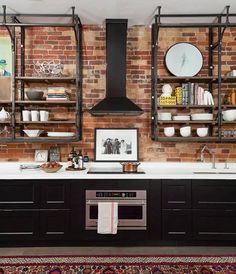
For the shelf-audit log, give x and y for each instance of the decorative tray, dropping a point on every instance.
(75, 169)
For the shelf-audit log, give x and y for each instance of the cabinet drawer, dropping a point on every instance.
(176, 194)
(54, 224)
(19, 195)
(214, 194)
(214, 224)
(18, 225)
(176, 224)
(55, 194)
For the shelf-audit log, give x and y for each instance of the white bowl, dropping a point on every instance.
(169, 131)
(32, 132)
(202, 131)
(185, 131)
(202, 116)
(164, 116)
(229, 115)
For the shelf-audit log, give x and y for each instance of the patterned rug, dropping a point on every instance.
(118, 264)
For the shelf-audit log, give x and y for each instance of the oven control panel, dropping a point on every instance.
(115, 194)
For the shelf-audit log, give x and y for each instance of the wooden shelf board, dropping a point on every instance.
(228, 106)
(46, 139)
(195, 79)
(45, 79)
(46, 122)
(184, 139)
(45, 102)
(228, 79)
(187, 106)
(187, 122)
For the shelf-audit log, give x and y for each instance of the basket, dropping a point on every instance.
(51, 169)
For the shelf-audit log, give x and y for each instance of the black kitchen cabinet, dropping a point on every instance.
(176, 224)
(34, 209)
(19, 225)
(214, 209)
(176, 210)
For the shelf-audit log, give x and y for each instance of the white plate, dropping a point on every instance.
(181, 118)
(61, 134)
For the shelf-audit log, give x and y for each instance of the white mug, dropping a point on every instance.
(44, 115)
(34, 115)
(26, 115)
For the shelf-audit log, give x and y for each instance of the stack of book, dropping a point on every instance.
(192, 94)
(57, 94)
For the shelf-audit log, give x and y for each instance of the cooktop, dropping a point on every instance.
(111, 170)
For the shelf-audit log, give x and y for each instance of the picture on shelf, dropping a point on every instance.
(116, 144)
(5, 69)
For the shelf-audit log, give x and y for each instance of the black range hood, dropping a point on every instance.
(116, 102)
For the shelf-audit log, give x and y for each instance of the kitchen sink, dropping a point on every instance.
(214, 172)
(205, 172)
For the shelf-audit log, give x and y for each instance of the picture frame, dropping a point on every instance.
(116, 145)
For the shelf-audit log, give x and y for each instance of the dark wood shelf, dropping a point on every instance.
(46, 139)
(5, 102)
(229, 79)
(187, 122)
(46, 122)
(5, 122)
(228, 122)
(195, 79)
(189, 139)
(35, 79)
(22, 102)
(228, 106)
(187, 106)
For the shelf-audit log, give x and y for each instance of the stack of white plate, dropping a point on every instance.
(61, 134)
(202, 116)
(181, 117)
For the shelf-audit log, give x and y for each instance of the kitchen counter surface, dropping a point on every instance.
(153, 170)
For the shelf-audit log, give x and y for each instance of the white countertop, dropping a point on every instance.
(153, 170)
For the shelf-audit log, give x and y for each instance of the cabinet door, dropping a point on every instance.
(18, 225)
(176, 194)
(214, 194)
(214, 224)
(19, 194)
(176, 224)
(55, 194)
(54, 224)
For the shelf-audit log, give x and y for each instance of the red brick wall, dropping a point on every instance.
(57, 43)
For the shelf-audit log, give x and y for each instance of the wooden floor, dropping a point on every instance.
(199, 250)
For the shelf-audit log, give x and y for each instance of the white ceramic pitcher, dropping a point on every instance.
(4, 115)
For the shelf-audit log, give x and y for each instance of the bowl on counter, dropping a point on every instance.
(51, 167)
(34, 95)
(185, 131)
(202, 116)
(32, 132)
(229, 115)
(202, 131)
(169, 131)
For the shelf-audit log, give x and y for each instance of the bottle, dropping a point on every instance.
(80, 160)
(85, 158)
(71, 158)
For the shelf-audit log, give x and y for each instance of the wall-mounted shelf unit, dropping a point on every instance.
(19, 27)
(210, 75)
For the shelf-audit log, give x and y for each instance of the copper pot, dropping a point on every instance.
(130, 167)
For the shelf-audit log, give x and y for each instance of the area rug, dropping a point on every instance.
(118, 264)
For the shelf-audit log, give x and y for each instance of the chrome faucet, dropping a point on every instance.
(211, 152)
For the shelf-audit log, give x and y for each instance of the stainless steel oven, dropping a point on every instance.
(132, 208)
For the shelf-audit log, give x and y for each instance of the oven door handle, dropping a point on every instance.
(133, 202)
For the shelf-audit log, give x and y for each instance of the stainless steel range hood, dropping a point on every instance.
(116, 102)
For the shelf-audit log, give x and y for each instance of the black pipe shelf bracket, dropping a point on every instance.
(22, 21)
(220, 22)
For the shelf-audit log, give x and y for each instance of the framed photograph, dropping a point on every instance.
(116, 145)
(5, 69)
